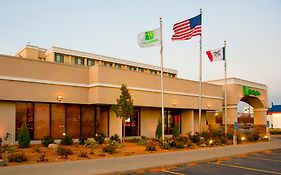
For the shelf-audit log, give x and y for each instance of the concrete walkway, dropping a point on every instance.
(132, 163)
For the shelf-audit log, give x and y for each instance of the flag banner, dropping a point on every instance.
(186, 29)
(216, 54)
(149, 38)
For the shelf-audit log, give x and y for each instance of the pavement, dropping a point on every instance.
(119, 165)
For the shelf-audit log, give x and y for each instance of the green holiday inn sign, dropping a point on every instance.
(247, 91)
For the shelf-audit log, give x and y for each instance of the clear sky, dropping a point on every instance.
(252, 29)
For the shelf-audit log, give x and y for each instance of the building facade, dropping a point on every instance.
(60, 91)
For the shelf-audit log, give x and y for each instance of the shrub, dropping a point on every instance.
(37, 149)
(116, 138)
(24, 138)
(135, 140)
(100, 138)
(158, 132)
(195, 138)
(179, 145)
(182, 139)
(143, 140)
(166, 144)
(111, 147)
(151, 146)
(91, 143)
(9, 148)
(42, 158)
(66, 140)
(47, 140)
(176, 130)
(64, 152)
(83, 154)
(253, 136)
(82, 140)
(17, 157)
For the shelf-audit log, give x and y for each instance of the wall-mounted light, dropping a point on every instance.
(209, 106)
(59, 98)
(262, 99)
(174, 104)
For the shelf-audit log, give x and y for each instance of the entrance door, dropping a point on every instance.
(132, 124)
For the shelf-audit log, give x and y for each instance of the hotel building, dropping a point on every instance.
(66, 91)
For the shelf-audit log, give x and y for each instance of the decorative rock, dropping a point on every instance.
(2, 163)
(53, 146)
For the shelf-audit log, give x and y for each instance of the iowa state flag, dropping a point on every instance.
(216, 54)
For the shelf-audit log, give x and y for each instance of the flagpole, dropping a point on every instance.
(225, 92)
(162, 86)
(200, 78)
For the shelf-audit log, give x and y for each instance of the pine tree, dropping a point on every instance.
(24, 138)
(158, 132)
(176, 130)
(124, 107)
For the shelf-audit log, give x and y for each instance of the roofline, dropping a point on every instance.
(106, 58)
(31, 47)
(233, 80)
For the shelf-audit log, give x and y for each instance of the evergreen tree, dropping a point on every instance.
(24, 138)
(124, 107)
(158, 132)
(176, 130)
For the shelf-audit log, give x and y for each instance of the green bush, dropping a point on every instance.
(47, 140)
(275, 132)
(151, 146)
(166, 144)
(116, 138)
(194, 138)
(182, 139)
(111, 147)
(66, 140)
(179, 145)
(82, 140)
(143, 140)
(176, 130)
(158, 132)
(253, 136)
(24, 138)
(91, 143)
(83, 154)
(100, 138)
(9, 148)
(17, 157)
(63, 152)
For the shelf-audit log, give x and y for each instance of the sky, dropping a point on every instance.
(251, 29)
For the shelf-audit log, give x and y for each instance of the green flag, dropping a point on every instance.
(149, 38)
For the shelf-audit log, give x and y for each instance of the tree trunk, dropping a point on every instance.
(124, 126)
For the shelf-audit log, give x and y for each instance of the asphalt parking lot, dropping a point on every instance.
(267, 162)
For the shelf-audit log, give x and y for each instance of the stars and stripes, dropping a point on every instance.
(186, 29)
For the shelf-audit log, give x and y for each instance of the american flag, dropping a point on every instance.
(186, 29)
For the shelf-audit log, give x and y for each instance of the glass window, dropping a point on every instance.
(153, 72)
(102, 114)
(24, 112)
(90, 62)
(132, 124)
(107, 64)
(41, 120)
(87, 121)
(79, 61)
(59, 58)
(141, 69)
(117, 65)
(172, 117)
(58, 121)
(73, 120)
(132, 68)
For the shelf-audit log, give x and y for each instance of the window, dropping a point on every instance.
(153, 72)
(117, 65)
(172, 117)
(41, 120)
(24, 112)
(141, 69)
(79, 61)
(107, 64)
(73, 120)
(59, 58)
(88, 121)
(132, 124)
(132, 68)
(58, 121)
(90, 62)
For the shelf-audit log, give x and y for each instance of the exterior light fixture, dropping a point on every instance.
(174, 104)
(59, 98)
(209, 106)
(243, 138)
(64, 134)
(266, 137)
(211, 142)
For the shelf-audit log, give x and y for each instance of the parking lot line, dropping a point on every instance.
(171, 172)
(246, 168)
(258, 158)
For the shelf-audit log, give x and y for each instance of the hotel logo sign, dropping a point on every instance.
(247, 91)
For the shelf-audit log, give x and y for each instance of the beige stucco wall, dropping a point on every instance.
(115, 125)
(149, 120)
(187, 121)
(7, 119)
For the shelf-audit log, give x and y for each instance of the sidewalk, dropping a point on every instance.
(131, 163)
